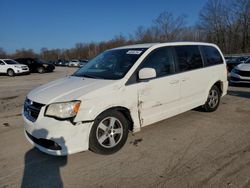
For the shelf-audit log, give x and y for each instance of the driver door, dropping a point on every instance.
(159, 97)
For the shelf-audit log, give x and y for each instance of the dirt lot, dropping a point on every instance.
(194, 149)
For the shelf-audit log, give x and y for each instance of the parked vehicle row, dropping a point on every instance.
(233, 61)
(24, 66)
(71, 63)
(36, 65)
(11, 67)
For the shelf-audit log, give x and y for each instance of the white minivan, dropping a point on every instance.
(122, 90)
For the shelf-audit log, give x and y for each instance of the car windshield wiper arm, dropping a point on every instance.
(91, 76)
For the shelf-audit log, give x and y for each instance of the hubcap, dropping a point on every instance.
(213, 98)
(109, 132)
(40, 70)
(11, 73)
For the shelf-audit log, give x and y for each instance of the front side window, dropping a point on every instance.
(161, 60)
(11, 62)
(112, 64)
(211, 56)
(188, 57)
(39, 61)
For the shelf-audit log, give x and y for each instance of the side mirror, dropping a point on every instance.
(147, 73)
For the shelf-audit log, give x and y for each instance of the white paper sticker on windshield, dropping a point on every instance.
(134, 52)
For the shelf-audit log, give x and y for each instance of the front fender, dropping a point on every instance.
(91, 108)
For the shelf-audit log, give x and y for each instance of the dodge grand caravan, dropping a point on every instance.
(122, 90)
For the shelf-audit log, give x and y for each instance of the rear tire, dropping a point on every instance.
(213, 100)
(10, 72)
(109, 133)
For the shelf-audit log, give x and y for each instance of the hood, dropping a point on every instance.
(66, 89)
(243, 67)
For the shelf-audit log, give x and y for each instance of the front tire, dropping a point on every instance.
(109, 133)
(40, 70)
(10, 72)
(213, 100)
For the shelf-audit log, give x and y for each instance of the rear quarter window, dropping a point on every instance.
(211, 56)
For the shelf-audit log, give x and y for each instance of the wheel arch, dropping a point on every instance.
(125, 112)
(219, 84)
(10, 69)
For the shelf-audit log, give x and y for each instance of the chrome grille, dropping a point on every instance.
(244, 73)
(32, 109)
(24, 68)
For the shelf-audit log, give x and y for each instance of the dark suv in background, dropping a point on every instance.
(36, 65)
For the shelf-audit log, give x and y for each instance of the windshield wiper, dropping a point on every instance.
(91, 76)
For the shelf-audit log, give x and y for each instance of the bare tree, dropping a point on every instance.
(227, 23)
(224, 22)
(213, 18)
(44, 53)
(24, 53)
(3, 54)
(167, 27)
(242, 15)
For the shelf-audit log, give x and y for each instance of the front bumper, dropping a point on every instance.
(57, 137)
(20, 71)
(235, 78)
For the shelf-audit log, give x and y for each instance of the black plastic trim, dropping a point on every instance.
(49, 144)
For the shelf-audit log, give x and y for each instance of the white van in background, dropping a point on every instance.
(122, 90)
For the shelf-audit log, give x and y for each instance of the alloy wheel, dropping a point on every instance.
(109, 132)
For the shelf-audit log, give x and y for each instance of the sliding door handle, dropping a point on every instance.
(174, 82)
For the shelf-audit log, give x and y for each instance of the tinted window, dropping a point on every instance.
(19, 60)
(188, 57)
(161, 60)
(11, 62)
(211, 56)
(2, 63)
(248, 61)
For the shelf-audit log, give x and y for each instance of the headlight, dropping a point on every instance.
(63, 110)
(45, 65)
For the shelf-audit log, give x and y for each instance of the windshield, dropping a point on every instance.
(248, 61)
(41, 61)
(112, 64)
(11, 62)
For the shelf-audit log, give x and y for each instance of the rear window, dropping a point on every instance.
(211, 56)
(188, 57)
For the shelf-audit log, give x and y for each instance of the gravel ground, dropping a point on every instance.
(194, 149)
